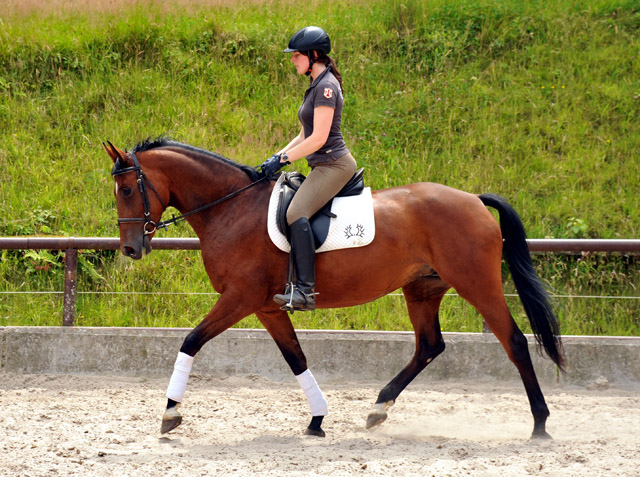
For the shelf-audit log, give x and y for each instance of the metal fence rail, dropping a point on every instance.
(71, 245)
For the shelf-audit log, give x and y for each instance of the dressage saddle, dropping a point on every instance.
(320, 220)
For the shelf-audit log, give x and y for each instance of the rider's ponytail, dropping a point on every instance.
(327, 60)
(336, 73)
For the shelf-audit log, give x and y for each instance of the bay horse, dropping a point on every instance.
(430, 238)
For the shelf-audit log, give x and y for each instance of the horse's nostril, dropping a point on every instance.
(129, 251)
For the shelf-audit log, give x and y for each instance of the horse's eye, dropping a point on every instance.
(125, 192)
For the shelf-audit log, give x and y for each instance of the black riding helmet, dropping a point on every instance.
(310, 38)
(307, 40)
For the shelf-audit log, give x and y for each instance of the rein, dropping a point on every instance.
(149, 225)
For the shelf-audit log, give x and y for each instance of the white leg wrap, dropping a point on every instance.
(180, 376)
(317, 402)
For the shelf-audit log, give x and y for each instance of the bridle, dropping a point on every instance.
(150, 226)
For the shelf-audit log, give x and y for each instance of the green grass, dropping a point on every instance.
(536, 101)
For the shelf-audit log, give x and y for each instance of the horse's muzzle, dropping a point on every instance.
(136, 249)
(132, 252)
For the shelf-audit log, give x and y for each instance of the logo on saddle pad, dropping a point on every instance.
(358, 232)
(352, 226)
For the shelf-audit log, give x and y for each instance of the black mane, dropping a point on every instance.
(164, 141)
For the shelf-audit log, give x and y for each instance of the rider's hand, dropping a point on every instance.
(272, 165)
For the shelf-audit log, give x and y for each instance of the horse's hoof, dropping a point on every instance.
(375, 419)
(314, 432)
(542, 435)
(378, 414)
(314, 428)
(171, 419)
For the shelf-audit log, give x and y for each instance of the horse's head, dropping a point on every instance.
(140, 204)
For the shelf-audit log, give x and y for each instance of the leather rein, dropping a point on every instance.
(150, 226)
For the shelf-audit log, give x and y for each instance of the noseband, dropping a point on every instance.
(149, 225)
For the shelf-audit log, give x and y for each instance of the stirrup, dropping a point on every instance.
(290, 289)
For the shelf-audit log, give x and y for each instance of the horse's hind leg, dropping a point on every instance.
(517, 347)
(423, 298)
(472, 266)
(493, 308)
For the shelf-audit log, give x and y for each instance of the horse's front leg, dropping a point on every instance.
(279, 326)
(226, 313)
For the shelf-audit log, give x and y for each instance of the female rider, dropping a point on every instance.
(321, 142)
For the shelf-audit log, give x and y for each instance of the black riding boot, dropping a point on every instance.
(301, 296)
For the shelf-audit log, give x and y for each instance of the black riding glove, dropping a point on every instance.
(272, 165)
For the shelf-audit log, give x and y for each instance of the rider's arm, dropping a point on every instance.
(322, 120)
(294, 142)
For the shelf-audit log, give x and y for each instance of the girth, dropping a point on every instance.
(320, 220)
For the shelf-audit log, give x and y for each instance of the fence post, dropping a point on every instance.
(70, 287)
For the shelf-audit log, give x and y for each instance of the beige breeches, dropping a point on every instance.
(323, 182)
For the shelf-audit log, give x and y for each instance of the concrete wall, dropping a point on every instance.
(333, 356)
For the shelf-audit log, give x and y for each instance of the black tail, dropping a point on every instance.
(533, 295)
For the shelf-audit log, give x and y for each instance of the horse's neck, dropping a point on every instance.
(195, 184)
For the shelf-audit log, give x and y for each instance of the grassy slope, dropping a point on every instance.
(536, 101)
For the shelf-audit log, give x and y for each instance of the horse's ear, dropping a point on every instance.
(114, 153)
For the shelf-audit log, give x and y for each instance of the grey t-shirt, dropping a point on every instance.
(324, 91)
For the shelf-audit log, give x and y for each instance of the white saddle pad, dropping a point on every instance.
(354, 225)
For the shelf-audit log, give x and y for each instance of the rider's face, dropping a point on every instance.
(300, 61)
